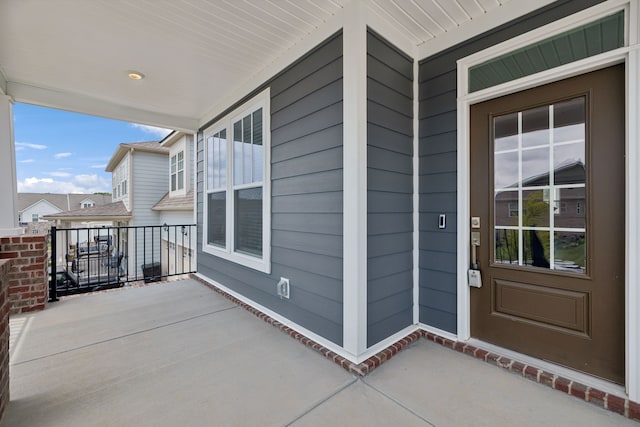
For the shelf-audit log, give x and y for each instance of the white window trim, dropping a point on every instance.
(178, 191)
(630, 55)
(120, 180)
(262, 264)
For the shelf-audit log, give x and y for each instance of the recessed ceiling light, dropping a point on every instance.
(135, 75)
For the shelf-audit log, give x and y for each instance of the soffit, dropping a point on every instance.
(425, 20)
(75, 54)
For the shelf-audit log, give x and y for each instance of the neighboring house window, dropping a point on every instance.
(35, 217)
(87, 205)
(35, 231)
(237, 195)
(177, 171)
(513, 209)
(120, 180)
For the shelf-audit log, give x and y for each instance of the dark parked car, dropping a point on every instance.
(89, 274)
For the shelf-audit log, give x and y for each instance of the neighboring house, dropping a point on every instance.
(139, 180)
(176, 206)
(141, 174)
(33, 207)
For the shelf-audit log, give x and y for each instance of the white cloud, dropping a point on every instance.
(98, 166)
(26, 161)
(22, 145)
(156, 131)
(62, 155)
(60, 174)
(91, 181)
(77, 184)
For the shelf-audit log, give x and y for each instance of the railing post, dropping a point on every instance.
(53, 283)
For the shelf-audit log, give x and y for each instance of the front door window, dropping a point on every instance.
(540, 187)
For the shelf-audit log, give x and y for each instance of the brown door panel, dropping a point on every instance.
(572, 315)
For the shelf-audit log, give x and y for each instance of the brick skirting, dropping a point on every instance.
(28, 277)
(597, 397)
(5, 266)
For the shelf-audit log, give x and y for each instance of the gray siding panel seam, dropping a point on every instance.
(395, 273)
(387, 108)
(393, 172)
(288, 146)
(324, 106)
(407, 96)
(380, 70)
(331, 78)
(330, 49)
(281, 266)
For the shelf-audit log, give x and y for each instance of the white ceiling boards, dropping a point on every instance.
(77, 54)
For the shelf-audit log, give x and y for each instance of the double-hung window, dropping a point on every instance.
(237, 197)
(177, 171)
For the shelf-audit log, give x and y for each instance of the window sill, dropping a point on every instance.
(261, 264)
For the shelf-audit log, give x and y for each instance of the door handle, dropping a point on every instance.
(475, 242)
(474, 277)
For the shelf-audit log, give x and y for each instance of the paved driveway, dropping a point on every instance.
(178, 354)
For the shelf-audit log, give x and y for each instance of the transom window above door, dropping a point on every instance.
(602, 35)
(539, 181)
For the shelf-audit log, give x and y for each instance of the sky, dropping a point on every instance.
(62, 152)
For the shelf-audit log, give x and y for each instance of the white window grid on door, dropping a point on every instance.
(552, 189)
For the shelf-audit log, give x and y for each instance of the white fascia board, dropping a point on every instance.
(494, 18)
(355, 179)
(88, 105)
(330, 27)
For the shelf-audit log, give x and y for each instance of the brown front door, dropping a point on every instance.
(547, 183)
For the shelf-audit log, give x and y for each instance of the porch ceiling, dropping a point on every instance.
(75, 54)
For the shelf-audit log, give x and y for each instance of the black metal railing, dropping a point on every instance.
(90, 259)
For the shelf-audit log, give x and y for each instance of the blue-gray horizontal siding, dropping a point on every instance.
(389, 190)
(438, 162)
(306, 198)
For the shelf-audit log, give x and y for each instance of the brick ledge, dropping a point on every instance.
(622, 406)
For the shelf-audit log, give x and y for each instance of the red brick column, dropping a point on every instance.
(28, 277)
(5, 266)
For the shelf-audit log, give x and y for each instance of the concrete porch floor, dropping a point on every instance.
(178, 354)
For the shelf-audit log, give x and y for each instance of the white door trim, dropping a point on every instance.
(630, 55)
